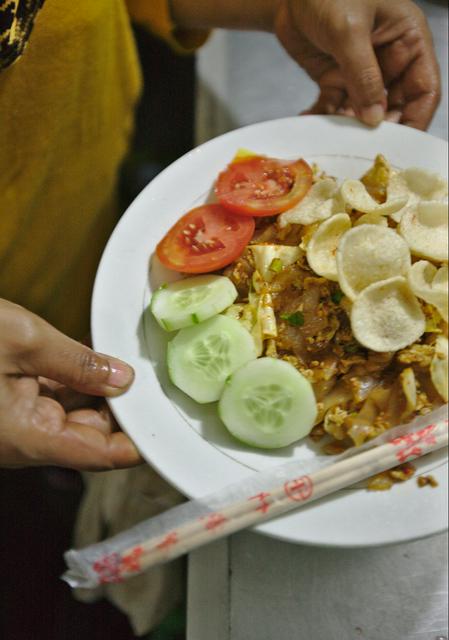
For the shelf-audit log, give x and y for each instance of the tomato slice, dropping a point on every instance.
(205, 239)
(260, 186)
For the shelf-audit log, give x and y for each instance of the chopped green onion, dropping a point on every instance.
(337, 296)
(276, 265)
(295, 319)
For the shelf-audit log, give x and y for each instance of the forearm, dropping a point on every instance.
(226, 14)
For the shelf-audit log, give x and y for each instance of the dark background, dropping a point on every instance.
(38, 506)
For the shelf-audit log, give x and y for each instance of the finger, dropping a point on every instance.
(87, 445)
(72, 400)
(92, 418)
(422, 94)
(418, 113)
(395, 97)
(346, 111)
(109, 416)
(86, 448)
(394, 58)
(362, 74)
(67, 398)
(35, 348)
(101, 418)
(412, 73)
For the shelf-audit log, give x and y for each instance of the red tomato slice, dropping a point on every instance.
(260, 186)
(205, 239)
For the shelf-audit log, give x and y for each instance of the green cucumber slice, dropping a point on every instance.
(201, 358)
(267, 403)
(190, 301)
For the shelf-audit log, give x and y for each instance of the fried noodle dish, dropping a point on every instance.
(350, 287)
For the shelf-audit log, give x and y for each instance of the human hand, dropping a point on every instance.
(371, 58)
(46, 379)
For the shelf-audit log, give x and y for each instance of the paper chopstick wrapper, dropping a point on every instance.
(262, 496)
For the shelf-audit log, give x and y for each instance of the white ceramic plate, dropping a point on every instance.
(185, 441)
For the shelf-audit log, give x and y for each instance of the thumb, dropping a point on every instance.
(35, 348)
(362, 75)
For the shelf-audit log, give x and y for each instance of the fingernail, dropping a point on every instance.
(372, 115)
(346, 111)
(393, 116)
(121, 374)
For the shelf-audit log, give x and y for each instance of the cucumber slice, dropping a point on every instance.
(192, 300)
(267, 403)
(201, 358)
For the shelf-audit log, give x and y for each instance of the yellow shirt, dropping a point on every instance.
(66, 114)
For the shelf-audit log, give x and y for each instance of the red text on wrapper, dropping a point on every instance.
(264, 505)
(410, 442)
(299, 489)
(169, 540)
(131, 562)
(213, 521)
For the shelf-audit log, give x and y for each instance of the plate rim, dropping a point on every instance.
(117, 404)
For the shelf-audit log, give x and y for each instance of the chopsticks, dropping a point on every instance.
(251, 510)
(285, 498)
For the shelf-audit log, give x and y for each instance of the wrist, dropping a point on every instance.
(227, 14)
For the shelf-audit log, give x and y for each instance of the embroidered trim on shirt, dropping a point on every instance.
(16, 23)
